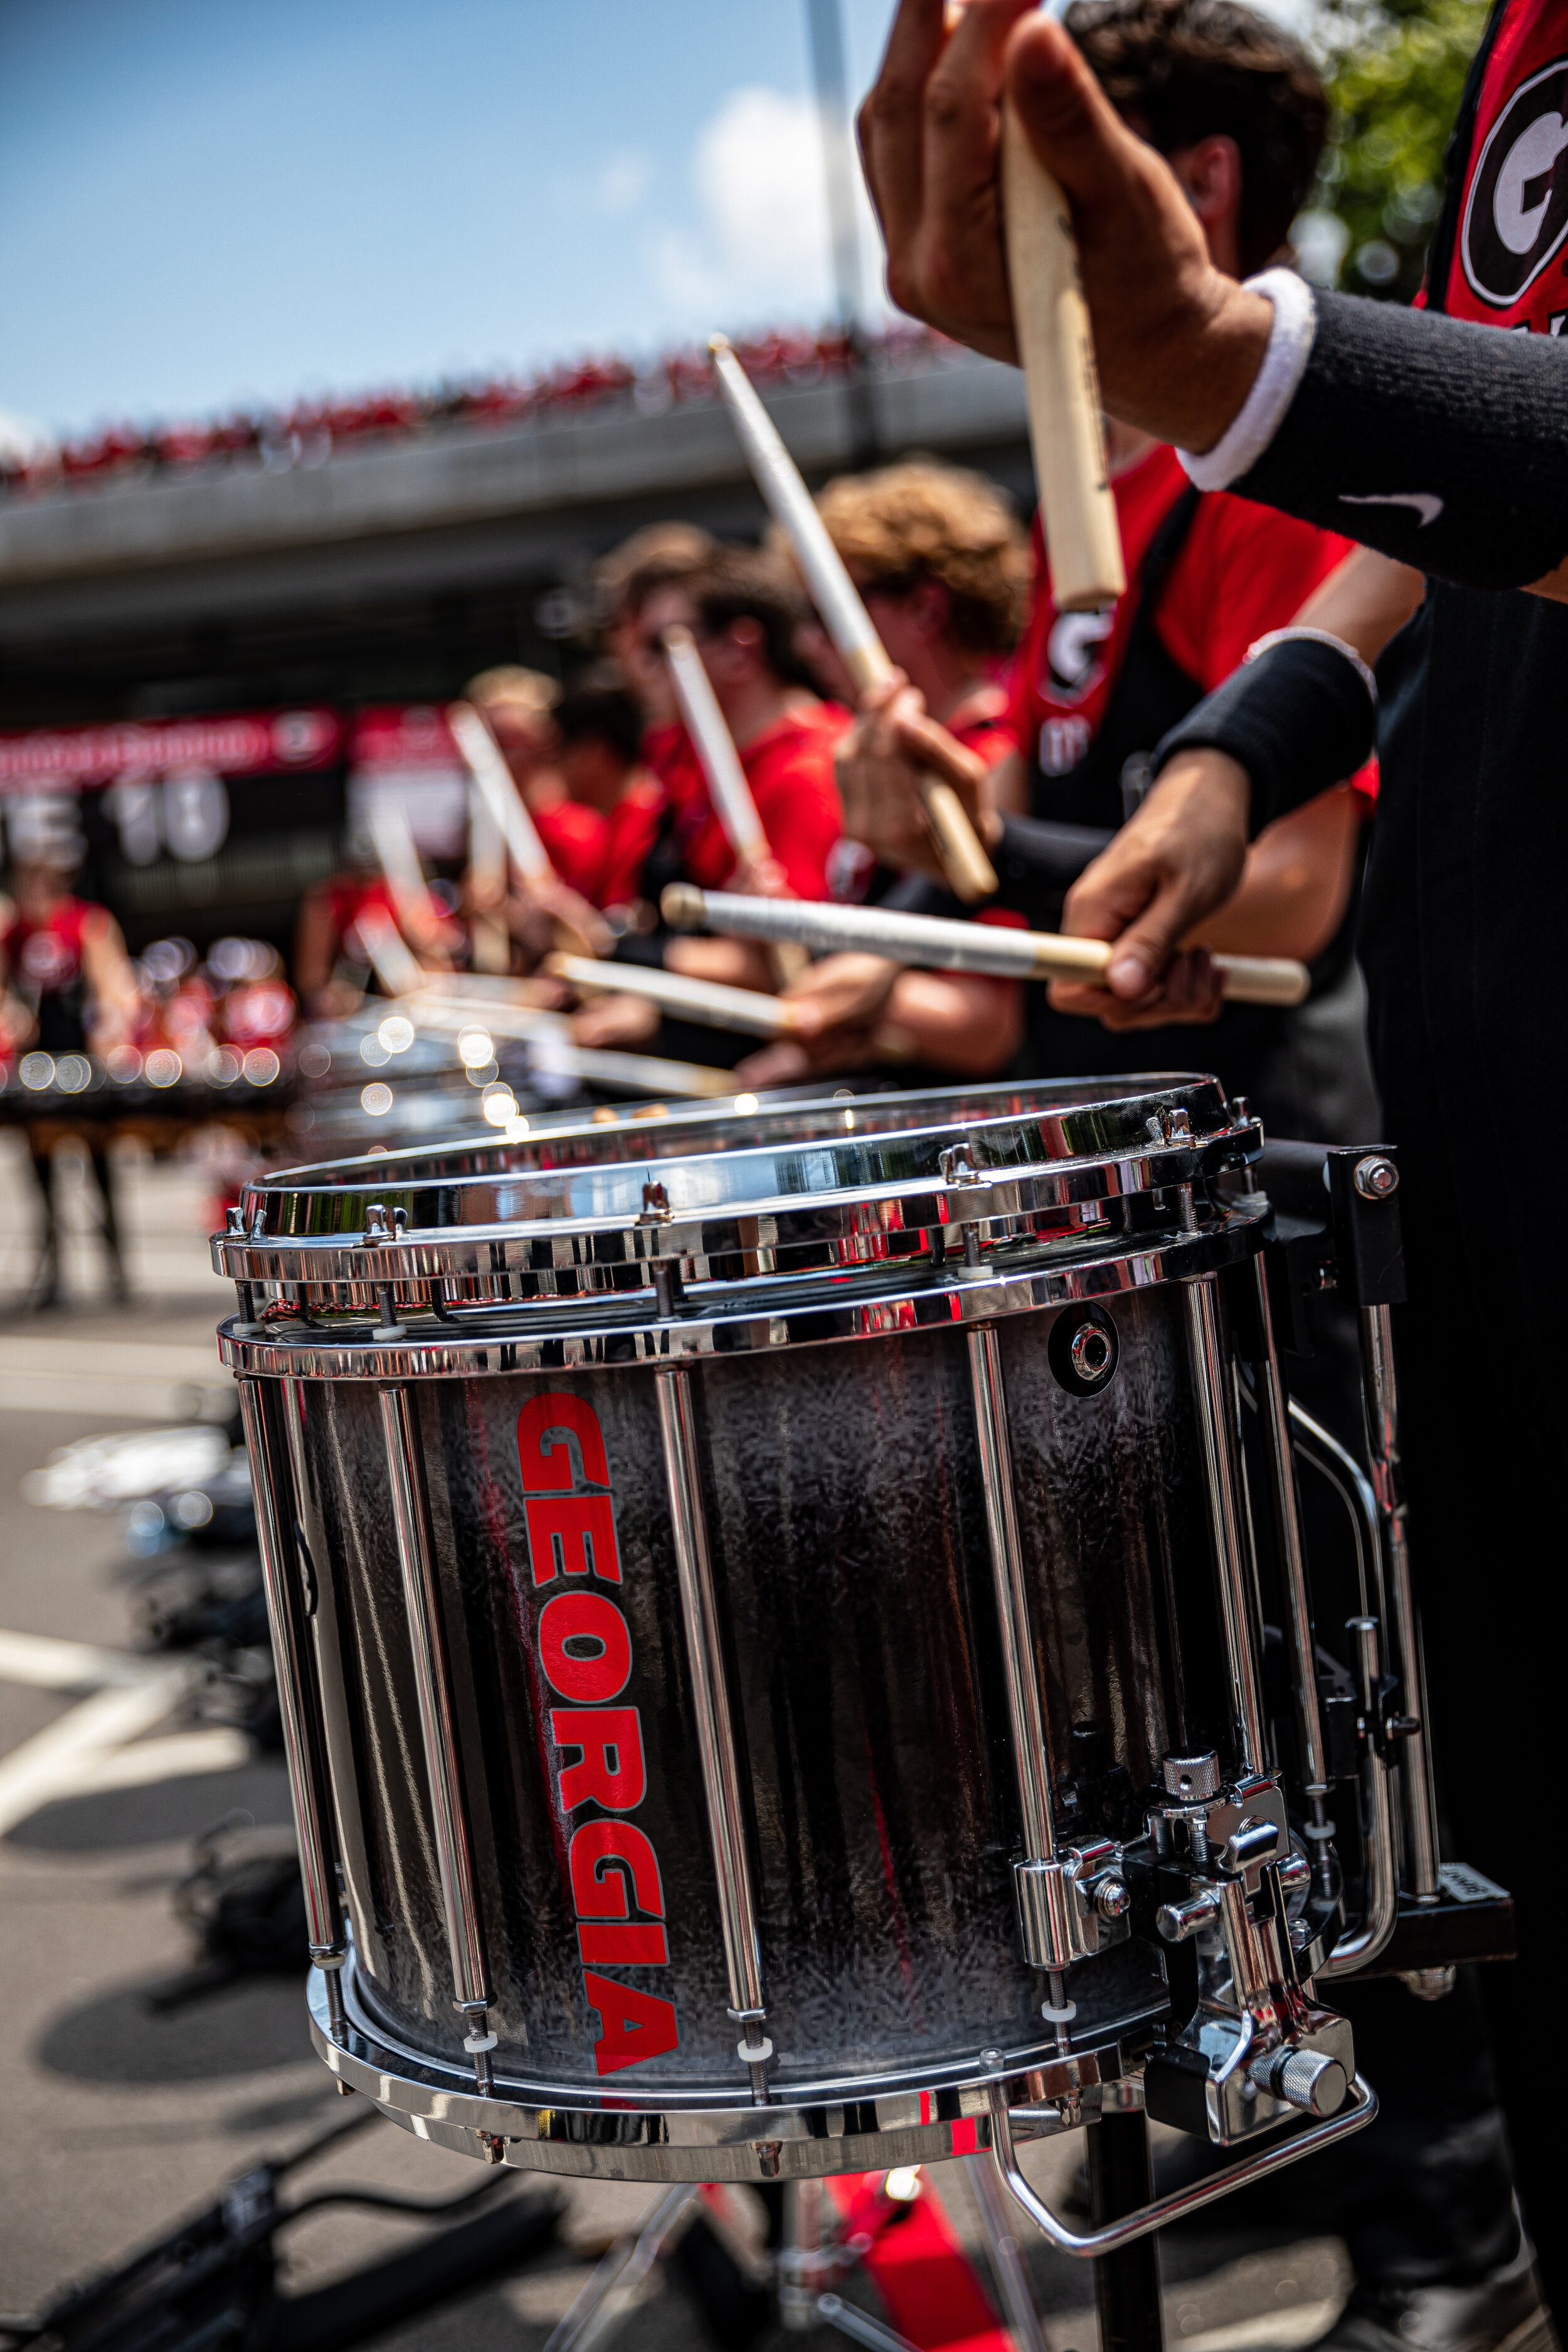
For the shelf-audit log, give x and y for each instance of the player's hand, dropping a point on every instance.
(543, 917)
(734, 964)
(892, 742)
(1177, 859)
(837, 1005)
(615, 1020)
(1178, 343)
(762, 877)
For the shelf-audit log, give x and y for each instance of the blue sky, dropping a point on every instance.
(205, 202)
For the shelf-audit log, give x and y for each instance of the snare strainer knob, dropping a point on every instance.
(1308, 2079)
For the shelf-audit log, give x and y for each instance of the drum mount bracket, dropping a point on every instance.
(1218, 1872)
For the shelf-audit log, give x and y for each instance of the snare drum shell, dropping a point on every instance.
(848, 1529)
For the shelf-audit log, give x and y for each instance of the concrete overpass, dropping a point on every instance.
(395, 569)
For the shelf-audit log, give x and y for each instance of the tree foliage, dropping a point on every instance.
(1396, 71)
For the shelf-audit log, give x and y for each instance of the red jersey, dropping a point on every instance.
(1242, 570)
(981, 724)
(349, 894)
(630, 832)
(789, 766)
(45, 958)
(576, 839)
(1508, 267)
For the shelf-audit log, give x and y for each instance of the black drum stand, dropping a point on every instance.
(800, 2279)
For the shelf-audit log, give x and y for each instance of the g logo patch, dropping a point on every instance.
(1517, 214)
(1074, 667)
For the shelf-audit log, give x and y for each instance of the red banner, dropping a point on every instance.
(404, 735)
(237, 743)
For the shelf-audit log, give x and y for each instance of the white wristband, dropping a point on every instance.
(1284, 365)
(1316, 637)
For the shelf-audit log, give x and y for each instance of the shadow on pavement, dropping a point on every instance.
(117, 2039)
(157, 1814)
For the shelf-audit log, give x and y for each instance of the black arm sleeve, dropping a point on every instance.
(1036, 864)
(1442, 443)
(1299, 718)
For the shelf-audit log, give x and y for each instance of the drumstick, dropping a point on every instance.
(843, 611)
(482, 757)
(490, 949)
(727, 782)
(944, 946)
(1061, 382)
(399, 972)
(392, 838)
(746, 1009)
(558, 1050)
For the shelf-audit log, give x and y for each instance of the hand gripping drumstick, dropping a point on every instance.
(943, 946)
(731, 794)
(398, 969)
(844, 614)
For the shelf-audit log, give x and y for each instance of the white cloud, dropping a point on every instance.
(623, 182)
(20, 437)
(762, 248)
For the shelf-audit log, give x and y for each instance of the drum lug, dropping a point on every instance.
(1075, 1908)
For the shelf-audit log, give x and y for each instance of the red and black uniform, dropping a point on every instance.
(574, 838)
(1092, 695)
(1208, 576)
(1446, 447)
(44, 961)
(665, 829)
(44, 965)
(789, 766)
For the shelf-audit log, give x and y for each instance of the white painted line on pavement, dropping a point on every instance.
(178, 1757)
(61, 1759)
(51, 1664)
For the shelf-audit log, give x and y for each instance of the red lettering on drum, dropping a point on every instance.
(610, 1770)
(546, 1427)
(638, 2025)
(585, 1653)
(590, 1676)
(560, 1448)
(602, 1894)
(573, 1535)
(623, 1944)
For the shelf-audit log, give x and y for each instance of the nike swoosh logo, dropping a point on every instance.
(1425, 505)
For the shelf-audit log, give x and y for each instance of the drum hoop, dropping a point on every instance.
(707, 1228)
(971, 1296)
(990, 1104)
(415, 2083)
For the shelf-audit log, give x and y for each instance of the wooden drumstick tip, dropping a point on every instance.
(683, 905)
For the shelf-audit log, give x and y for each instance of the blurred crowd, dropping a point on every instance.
(309, 432)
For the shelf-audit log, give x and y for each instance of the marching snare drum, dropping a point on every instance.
(766, 1618)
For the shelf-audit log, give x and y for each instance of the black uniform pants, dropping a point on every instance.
(1483, 1366)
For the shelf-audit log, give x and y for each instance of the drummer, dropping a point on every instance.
(66, 986)
(1431, 440)
(743, 609)
(332, 966)
(1237, 103)
(656, 557)
(945, 567)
